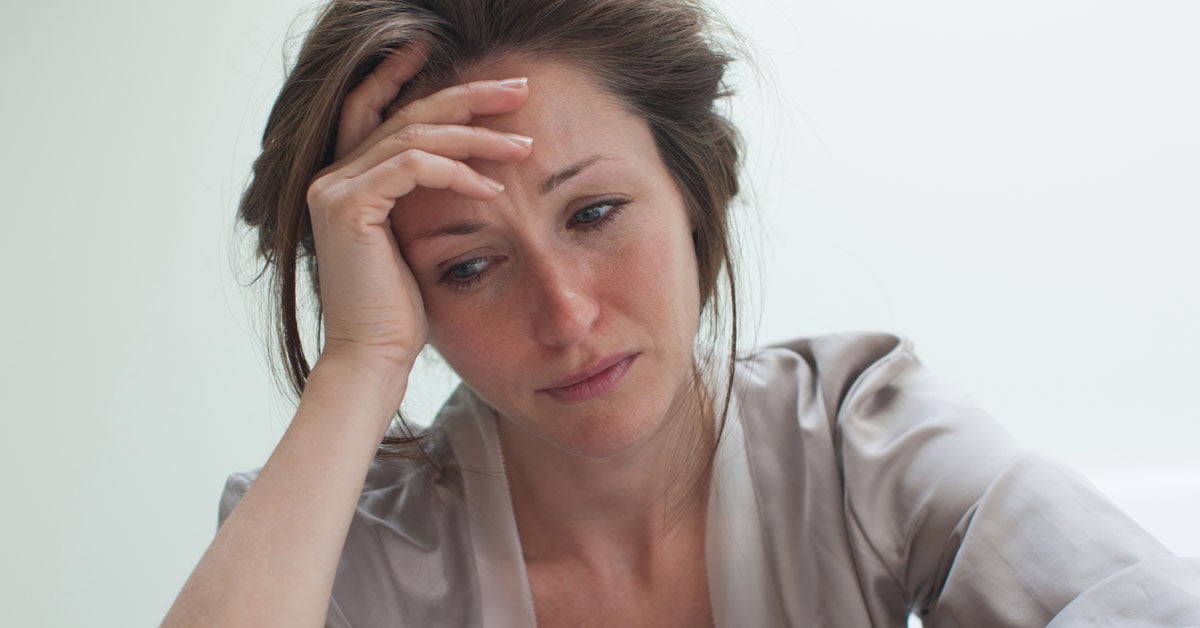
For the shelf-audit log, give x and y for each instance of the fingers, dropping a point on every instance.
(363, 108)
(424, 144)
(454, 141)
(372, 194)
(460, 103)
(453, 105)
(420, 155)
(412, 168)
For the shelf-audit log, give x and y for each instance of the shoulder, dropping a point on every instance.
(865, 403)
(834, 361)
(829, 375)
(862, 383)
(847, 349)
(937, 508)
(857, 419)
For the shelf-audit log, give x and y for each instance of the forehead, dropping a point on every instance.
(570, 118)
(566, 106)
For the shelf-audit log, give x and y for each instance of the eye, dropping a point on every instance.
(466, 274)
(597, 214)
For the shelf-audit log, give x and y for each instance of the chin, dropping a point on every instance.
(607, 427)
(598, 441)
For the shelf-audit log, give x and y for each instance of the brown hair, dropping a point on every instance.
(662, 58)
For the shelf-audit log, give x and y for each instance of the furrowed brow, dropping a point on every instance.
(453, 229)
(563, 175)
(547, 186)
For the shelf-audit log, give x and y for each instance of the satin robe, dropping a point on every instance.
(852, 486)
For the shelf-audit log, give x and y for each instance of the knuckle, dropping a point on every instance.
(459, 94)
(463, 171)
(318, 191)
(410, 159)
(325, 192)
(491, 140)
(410, 134)
(398, 110)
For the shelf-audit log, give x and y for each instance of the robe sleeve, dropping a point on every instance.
(976, 532)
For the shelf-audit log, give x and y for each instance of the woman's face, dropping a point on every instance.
(584, 263)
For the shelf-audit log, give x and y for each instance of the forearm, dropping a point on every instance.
(273, 561)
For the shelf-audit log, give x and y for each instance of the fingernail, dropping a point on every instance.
(494, 184)
(514, 83)
(520, 140)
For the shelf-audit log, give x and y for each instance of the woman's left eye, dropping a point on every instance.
(596, 214)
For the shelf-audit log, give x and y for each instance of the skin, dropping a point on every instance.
(542, 289)
(601, 265)
(592, 482)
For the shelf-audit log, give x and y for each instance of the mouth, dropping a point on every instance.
(596, 380)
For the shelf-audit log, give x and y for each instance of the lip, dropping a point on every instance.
(598, 379)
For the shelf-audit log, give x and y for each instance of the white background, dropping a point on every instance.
(1012, 185)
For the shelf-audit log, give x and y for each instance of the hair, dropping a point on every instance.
(665, 60)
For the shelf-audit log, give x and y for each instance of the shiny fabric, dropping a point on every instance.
(852, 485)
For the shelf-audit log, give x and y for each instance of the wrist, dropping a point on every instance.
(365, 378)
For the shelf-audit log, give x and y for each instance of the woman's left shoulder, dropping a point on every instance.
(840, 371)
(867, 400)
(837, 362)
(941, 509)
(855, 419)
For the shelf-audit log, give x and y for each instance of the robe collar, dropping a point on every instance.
(740, 587)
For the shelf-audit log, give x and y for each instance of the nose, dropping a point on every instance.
(565, 307)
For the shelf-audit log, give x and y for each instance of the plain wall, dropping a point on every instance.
(1011, 185)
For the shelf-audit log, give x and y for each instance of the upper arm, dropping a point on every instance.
(917, 454)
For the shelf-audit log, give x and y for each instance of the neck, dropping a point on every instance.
(624, 506)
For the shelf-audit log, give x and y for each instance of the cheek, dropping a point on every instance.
(467, 340)
(658, 270)
(646, 287)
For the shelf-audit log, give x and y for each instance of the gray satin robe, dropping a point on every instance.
(852, 486)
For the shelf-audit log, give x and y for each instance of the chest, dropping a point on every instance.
(565, 596)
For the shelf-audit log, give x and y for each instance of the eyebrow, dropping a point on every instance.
(563, 175)
(547, 186)
(453, 229)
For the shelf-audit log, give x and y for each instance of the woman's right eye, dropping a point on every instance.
(466, 274)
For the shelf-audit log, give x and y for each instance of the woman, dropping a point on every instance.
(539, 190)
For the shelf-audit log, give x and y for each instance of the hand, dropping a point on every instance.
(372, 305)
(291, 524)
